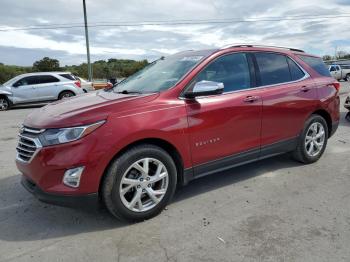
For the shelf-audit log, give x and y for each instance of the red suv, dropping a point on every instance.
(182, 117)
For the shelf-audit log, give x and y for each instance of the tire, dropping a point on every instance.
(65, 94)
(303, 153)
(123, 168)
(5, 104)
(347, 78)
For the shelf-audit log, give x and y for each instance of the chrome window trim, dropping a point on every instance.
(306, 76)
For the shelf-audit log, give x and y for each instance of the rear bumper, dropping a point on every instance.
(88, 201)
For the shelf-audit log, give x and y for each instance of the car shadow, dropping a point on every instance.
(28, 106)
(24, 218)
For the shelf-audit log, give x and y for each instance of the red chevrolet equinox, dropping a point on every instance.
(182, 117)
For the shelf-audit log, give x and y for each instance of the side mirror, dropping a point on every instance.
(205, 88)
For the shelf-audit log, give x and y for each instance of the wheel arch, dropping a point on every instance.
(327, 117)
(164, 144)
(65, 90)
(7, 97)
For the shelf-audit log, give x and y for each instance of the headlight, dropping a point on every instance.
(65, 135)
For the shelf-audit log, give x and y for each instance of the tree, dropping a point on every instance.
(327, 58)
(46, 64)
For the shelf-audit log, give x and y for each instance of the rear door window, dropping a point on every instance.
(68, 76)
(45, 79)
(295, 70)
(274, 68)
(316, 64)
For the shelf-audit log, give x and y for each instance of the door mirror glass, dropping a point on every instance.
(205, 88)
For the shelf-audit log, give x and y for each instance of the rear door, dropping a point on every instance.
(24, 90)
(47, 88)
(222, 126)
(288, 99)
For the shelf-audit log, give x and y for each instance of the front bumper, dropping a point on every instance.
(88, 201)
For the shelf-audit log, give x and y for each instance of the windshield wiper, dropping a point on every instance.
(125, 92)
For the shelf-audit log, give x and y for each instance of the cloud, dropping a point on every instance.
(151, 41)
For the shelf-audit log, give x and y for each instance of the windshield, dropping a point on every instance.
(159, 75)
(12, 80)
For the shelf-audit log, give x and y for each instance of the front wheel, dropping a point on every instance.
(4, 103)
(140, 183)
(313, 140)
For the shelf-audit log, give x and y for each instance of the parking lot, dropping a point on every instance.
(272, 210)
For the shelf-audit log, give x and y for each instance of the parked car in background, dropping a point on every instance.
(347, 106)
(36, 88)
(183, 117)
(100, 84)
(347, 103)
(340, 72)
(87, 86)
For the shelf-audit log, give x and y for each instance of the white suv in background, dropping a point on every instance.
(35, 88)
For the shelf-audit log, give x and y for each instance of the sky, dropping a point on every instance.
(22, 47)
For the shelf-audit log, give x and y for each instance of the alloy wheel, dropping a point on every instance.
(67, 95)
(314, 139)
(144, 184)
(3, 104)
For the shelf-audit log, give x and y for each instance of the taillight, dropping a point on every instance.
(336, 85)
(77, 83)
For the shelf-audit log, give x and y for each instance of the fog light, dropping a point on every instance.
(72, 176)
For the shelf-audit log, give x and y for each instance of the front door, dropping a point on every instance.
(222, 126)
(24, 90)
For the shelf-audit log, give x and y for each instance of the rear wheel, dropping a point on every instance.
(347, 78)
(140, 183)
(66, 94)
(313, 140)
(4, 103)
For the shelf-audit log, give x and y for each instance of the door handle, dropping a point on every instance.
(305, 89)
(251, 99)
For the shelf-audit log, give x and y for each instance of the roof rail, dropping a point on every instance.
(251, 45)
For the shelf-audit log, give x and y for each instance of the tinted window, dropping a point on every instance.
(332, 69)
(45, 79)
(68, 76)
(295, 71)
(316, 63)
(273, 68)
(161, 74)
(231, 70)
(29, 80)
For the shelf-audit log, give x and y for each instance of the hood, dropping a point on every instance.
(84, 109)
(5, 90)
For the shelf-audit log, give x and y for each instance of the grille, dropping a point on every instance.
(28, 144)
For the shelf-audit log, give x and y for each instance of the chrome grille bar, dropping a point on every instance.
(28, 144)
